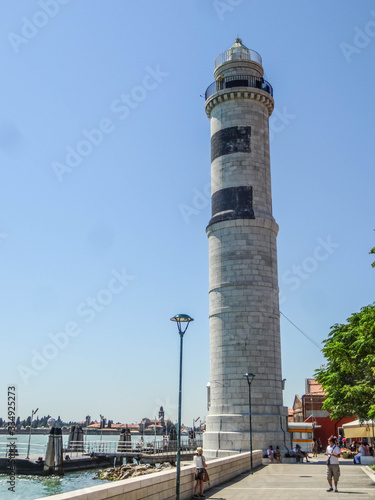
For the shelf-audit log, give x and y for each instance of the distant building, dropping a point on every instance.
(297, 411)
(312, 401)
(134, 428)
(94, 425)
(161, 415)
(145, 426)
(148, 426)
(308, 408)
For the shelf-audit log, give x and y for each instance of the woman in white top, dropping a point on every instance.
(200, 465)
(270, 453)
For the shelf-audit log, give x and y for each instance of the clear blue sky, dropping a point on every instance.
(113, 244)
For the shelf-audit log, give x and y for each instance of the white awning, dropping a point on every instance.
(356, 429)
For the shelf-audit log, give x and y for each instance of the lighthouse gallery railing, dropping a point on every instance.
(229, 82)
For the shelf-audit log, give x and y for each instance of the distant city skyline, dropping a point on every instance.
(102, 423)
(105, 149)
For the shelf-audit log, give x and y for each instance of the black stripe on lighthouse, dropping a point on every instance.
(230, 140)
(232, 203)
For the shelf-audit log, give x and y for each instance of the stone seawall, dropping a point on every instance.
(162, 486)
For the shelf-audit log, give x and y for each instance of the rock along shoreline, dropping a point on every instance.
(130, 470)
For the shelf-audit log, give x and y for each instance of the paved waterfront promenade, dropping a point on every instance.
(305, 481)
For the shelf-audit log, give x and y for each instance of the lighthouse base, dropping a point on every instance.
(230, 434)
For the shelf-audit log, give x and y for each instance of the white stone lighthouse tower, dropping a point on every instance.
(243, 285)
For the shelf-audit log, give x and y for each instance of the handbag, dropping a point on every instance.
(205, 476)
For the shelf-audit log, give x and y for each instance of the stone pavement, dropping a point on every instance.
(305, 481)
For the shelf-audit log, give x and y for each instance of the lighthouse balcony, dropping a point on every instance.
(238, 52)
(229, 82)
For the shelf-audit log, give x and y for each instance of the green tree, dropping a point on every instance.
(372, 252)
(348, 377)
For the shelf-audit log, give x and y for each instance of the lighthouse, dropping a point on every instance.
(243, 284)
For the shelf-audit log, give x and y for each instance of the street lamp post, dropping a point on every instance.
(179, 319)
(195, 420)
(193, 435)
(155, 435)
(32, 416)
(101, 431)
(250, 378)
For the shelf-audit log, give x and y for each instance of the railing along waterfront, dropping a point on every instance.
(125, 447)
(239, 81)
(20, 449)
(77, 448)
(238, 54)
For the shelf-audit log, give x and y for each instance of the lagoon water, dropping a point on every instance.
(34, 487)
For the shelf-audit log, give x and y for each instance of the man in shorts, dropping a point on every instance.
(333, 468)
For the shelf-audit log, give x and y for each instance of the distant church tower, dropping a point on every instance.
(161, 415)
(243, 284)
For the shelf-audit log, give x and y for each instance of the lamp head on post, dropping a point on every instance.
(250, 377)
(182, 318)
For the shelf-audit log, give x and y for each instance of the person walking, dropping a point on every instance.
(315, 448)
(333, 468)
(200, 464)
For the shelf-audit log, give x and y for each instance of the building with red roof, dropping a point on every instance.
(308, 408)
